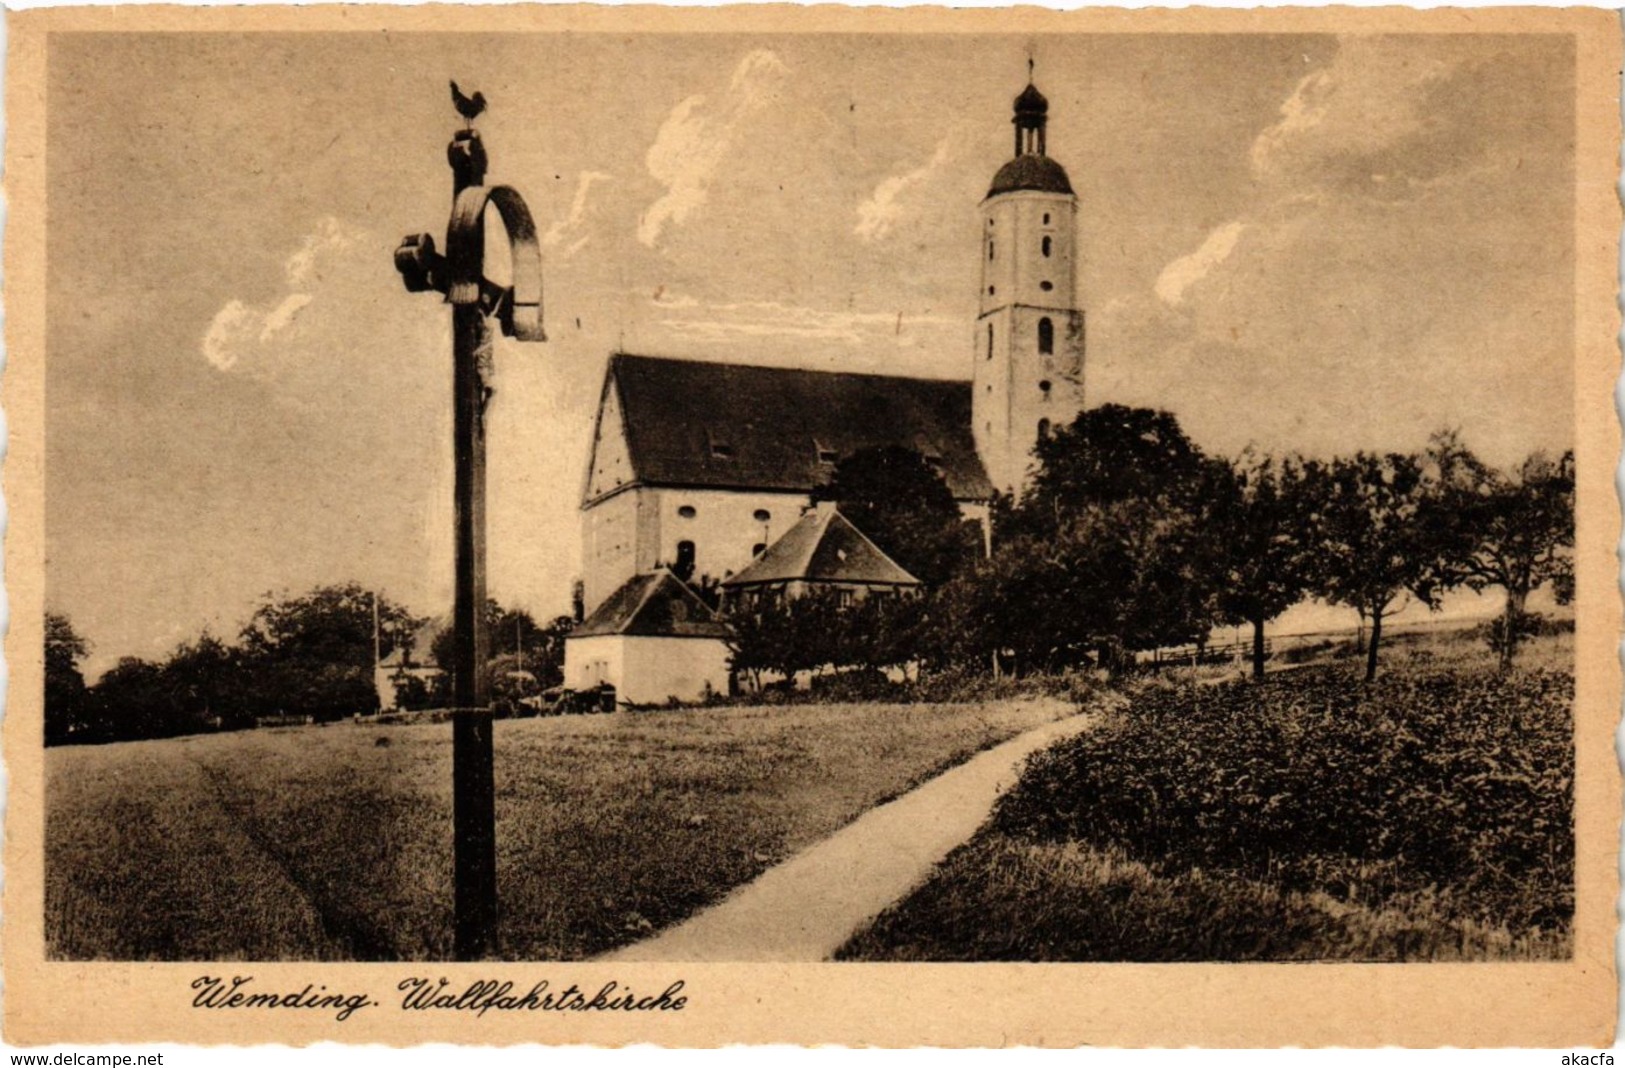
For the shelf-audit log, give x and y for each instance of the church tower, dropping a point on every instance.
(1030, 332)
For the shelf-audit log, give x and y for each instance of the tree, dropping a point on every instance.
(514, 633)
(1260, 526)
(203, 679)
(1373, 536)
(313, 654)
(1513, 530)
(1110, 551)
(1109, 454)
(67, 699)
(904, 506)
(133, 701)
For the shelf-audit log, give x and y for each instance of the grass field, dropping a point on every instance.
(335, 842)
(1310, 817)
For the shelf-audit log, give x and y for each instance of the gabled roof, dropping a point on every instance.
(657, 604)
(737, 426)
(823, 547)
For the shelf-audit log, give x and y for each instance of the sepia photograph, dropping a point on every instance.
(785, 493)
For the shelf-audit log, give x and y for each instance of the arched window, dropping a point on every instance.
(684, 567)
(758, 549)
(990, 341)
(1044, 387)
(1043, 429)
(1046, 246)
(1046, 336)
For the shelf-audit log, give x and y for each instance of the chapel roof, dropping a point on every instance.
(739, 426)
(656, 604)
(823, 547)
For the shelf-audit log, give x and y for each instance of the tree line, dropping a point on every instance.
(305, 656)
(1131, 538)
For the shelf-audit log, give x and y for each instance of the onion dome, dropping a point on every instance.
(1031, 169)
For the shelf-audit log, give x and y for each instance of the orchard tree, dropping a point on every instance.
(1260, 527)
(902, 503)
(1109, 454)
(1375, 536)
(1512, 530)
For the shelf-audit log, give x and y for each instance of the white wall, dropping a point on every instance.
(1008, 402)
(724, 527)
(647, 671)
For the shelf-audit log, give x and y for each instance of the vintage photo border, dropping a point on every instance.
(1479, 1004)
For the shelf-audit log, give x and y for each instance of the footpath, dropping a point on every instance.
(807, 907)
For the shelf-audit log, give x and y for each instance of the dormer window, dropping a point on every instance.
(826, 455)
(928, 450)
(719, 445)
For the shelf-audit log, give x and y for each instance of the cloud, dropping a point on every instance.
(770, 319)
(1178, 277)
(1302, 111)
(697, 137)
(303, 268)
(241, 335)
(889, 203)
(570, 226)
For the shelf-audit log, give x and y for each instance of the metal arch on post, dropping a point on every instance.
(475, 300)
(520, 306)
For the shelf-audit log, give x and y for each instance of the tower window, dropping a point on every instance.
(990, 291)
(686, 511)
(1046, 336)
(758, 549)
(1043, 429)
(1046, 240)
(990, 341)
(762, 515)
(990, 252)
(1043, 387)
(1046, 286)
(684, 567)
(1046, 244)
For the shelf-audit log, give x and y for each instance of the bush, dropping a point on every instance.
(1455, 782)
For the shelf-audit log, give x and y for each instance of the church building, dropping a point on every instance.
(701, 467)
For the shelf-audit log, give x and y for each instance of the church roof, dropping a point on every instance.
(657, 604)
(1032, 172)
(825, 547)
(737, 426)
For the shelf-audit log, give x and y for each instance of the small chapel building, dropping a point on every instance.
(699, 468)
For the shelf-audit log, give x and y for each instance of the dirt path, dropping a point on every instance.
(807, 907)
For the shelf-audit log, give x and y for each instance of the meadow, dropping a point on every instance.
(1426, 816)
(334, 842)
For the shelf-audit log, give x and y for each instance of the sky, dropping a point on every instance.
(1305, 243)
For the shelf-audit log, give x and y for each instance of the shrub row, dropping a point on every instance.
(1453, 783)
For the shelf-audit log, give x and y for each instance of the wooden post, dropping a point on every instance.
(475, 301)
(472, 774)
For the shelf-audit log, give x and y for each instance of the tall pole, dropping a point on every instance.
(517, 308)
(472, 775)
